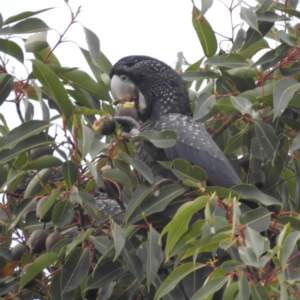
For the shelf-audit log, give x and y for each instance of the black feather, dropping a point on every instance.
(168, 107)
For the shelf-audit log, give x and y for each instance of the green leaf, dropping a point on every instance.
(55, 291)
(36, 42)
(75, 269)
(205, 33)
(254, 36)
(105, 274)
(272, 57)
(118, 176)
(79, 239)
(175, 234)
(244, 72)
(70, 172)
(175, 277)
(251, 192)
(93, 44)
(285, 38)
(234, 142)
(248, 256)
(6, 85)
(155, 255)
(134, 264)
(296, 143)
(288, 247)
(187, 210)
(242, 104)
(13, 49)
(249, 17)
(18, 211)
(244, 288)
(204, 104)
(88, 111)
(252, 49)
(258, 291)
(80, 79)
(231, 291)
(163, 139)
(23, 146)
(210, 287)
(184, 170)
(157, 202)
(202, 74)
(43, 162)
(104, 64)
(255, 241)
(230, 60)
(24, 15)
(22, 132)
(4, 174)
(184, 242)
(213, 242)
(49, 203)
(267, 138)
(258, 219)
(37, 267)
(290, 69)
(51, 59)
(100, 242)
(37, 183)
(118, 235)
(284, 90)
(205, 6)
(138, 165)
(62, 213)
(138, 196)
(86, 140)
(288, 9)
(25, 26)
(53, 86)
(270, 17)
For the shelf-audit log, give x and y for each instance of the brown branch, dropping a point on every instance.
(224, 126)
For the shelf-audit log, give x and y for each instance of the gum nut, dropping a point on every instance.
(105, 126)
(127, 112)
(41, 151)
(17, 251)
(37, 240)
(52, 239)
(47, 217)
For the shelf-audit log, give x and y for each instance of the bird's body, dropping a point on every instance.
(162, 102)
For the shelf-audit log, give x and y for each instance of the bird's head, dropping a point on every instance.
(154, 87)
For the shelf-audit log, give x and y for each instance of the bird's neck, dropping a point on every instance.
(171, 106)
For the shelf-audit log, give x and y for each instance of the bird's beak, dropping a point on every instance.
(123, 91)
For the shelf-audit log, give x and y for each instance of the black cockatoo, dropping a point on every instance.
(162, 102)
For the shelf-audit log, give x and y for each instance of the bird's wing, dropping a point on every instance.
(195, 145)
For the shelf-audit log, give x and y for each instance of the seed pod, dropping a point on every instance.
(52, 239)
(47, 217)
(105, 126)
(127, 111)
(41, 151)
(37, 240)
(17, 251)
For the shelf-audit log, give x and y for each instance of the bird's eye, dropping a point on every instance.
(123, 77)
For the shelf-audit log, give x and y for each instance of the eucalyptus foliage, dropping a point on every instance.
(167, 240)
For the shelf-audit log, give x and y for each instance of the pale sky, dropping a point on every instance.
(158, 28)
